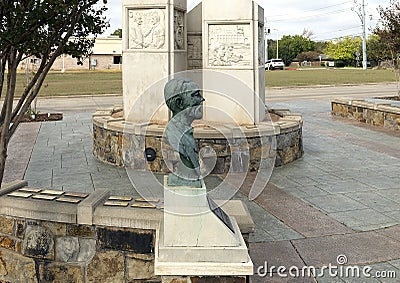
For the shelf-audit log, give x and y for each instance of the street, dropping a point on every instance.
(367, 90)
(91, 103)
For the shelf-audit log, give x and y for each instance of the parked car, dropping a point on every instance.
(274, 64)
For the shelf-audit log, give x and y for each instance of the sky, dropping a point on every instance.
(327, 20)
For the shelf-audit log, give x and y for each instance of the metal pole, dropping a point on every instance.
(277, 45)
(364, 44)
(266, 49)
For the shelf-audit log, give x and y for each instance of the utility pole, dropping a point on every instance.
(360, 10)
(277, 43)
(364, 44)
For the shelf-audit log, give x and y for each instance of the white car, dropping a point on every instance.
(274, 64)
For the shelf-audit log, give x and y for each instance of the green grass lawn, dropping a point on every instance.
(291, 78)
(110, 82)
(77, 83)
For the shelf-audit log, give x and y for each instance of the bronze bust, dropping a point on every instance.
(183, 97)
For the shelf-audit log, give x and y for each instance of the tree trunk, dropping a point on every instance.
(3, 156)
(7, 110)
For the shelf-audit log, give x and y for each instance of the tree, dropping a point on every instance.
(308, 56)
(44, 29)
(344, 49)
(118, 32)
(388, 30)
(291, 46)
(271, 49)
(377, 50)
(320, 46)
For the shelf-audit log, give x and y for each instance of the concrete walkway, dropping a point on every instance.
(341, 199)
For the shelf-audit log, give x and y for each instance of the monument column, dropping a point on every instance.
(233, 44)
(154, 47)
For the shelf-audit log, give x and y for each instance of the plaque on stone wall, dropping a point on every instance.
(261, 48)
(229, 45)
(220, 214)
(195, 51)
(147, 29)
(179, 29)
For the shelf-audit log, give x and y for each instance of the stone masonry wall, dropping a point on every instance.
(369, 113)
(51, 241)
(42, 251)
(108, 147)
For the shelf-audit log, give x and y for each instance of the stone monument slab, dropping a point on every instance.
(233, 44)
(150, 56)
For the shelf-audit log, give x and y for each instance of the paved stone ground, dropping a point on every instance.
(19, 151)
(342, 198)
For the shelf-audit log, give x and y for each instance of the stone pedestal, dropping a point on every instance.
(198, 238)
(233, 44)
(154, 47)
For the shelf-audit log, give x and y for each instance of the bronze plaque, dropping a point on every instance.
(52, 192)
(220, 214)
(44, 197)
(68, 200)
(117, 198)
(155, 200)
(76, 195)
(143, 205)
(30, 190)
(116, 203)
(19, 195)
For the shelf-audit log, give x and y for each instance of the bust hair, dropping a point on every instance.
(174, 88)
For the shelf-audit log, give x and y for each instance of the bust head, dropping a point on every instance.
(183, 98)
(182, 94)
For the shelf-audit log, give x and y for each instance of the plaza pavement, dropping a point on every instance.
(341, 198)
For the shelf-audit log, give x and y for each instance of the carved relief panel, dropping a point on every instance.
(179, 29)
(229, 45)
(147, 29)
(261, 45)
(195, 51)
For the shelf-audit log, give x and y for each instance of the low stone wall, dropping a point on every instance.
(49, 240)
(122, 144)
(377, 113)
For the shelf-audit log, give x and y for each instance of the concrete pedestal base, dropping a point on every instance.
(194, 240)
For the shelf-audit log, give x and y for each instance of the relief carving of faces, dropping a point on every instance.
(179, 30)
(147, 29)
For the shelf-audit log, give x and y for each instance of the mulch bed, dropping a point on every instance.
(43, 117)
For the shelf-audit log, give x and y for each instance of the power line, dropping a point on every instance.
(295, 14)
(339, 30)
(339, 37)
(311, 16)
(330, 6)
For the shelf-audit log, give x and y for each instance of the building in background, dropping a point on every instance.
(107, 55)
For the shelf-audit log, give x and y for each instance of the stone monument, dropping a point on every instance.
(233, 43)
(221, 40)
(149, 55)
(195, 230)
(221, 118)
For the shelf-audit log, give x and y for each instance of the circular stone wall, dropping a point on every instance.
(120, 143)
